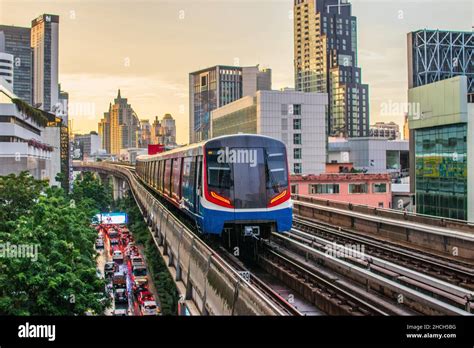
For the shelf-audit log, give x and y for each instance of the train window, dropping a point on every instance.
(249, 179)
(219, 175)
(159, 176)
(187, 189)
(155, 174)
(167, 178)
(176, 178)
(277, 175)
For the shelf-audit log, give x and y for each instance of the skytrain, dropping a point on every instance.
(236, 183)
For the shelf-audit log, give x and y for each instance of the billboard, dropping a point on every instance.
(111, 218)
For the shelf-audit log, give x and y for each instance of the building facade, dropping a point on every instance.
(296, 118)
(373, 190)
(45, 45)
(388, 130)
(217, 86)
(17, 42)
(88, 144)
(23, 145)
(371, 155)
(442, 148)
(435, 55)
(6, 70)
(325, 51)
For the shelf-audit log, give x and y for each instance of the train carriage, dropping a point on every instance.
(237, 182)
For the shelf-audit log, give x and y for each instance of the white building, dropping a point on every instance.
(6, 69)
(296, 118)
(23, 146)
(376, 155)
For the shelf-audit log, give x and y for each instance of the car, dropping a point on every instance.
(119, 280)
(110, 268)
(114, 241)
(120, 312)
(149, 308)
(136, 260)
(117, 256)
(139, 286)
(113, 234)
(144, 296)
(99, 243)
(120, 296)
(139, 271)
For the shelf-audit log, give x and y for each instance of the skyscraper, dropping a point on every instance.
(17, 41)
(45, 45)
(441, 96)
(119, 127)
(325, 52)
(217, 86)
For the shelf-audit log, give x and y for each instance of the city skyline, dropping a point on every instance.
(151, 66)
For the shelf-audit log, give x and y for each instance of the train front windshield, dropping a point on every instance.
(247, 178)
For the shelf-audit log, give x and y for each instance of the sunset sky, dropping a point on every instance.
(147, 47)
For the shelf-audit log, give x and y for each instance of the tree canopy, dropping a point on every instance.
(57, 276)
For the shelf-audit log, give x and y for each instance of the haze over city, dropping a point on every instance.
(148, 48)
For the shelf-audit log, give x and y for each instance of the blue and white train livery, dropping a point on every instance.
(236, 182)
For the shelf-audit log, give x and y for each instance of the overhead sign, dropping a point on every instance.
(111, 218)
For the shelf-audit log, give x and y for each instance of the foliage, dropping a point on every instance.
(91, 188)
(38, 116)
(61, 279)
(162, 279)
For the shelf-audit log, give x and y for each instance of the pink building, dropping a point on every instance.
(366, 189)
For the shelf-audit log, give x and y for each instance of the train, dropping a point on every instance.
(235, 184)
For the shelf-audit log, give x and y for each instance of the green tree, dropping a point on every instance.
(89, 187)
(58, 276)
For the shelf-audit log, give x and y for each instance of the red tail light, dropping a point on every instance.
(279, 198)
(220, 200)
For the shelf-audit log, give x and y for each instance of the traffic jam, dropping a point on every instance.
(122, 265)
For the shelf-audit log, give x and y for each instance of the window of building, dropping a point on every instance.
(297, 124)
(297, 168)
(318, 189)
(358, 188)
(297, 153)
(379, 188)
(284, 109)
(294, 189)
(297, 139)
(297, 109)
(380, 204)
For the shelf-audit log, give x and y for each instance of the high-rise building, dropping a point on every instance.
(104, 131)
(441, 89)
(120, 126)
(296, 118)
(325, 60)
(217, 86)
(45, 45)
(17, 42)
(144, 131)
(435, 55)
(164, 132)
